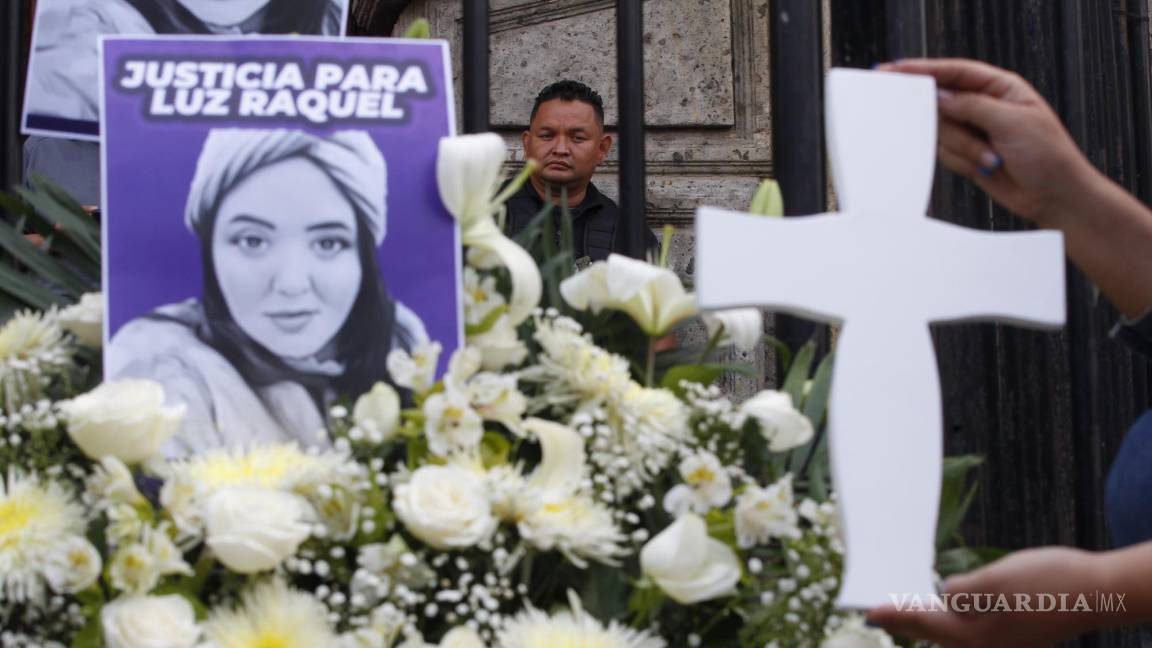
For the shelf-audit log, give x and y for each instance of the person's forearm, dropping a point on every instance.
(1108, 235)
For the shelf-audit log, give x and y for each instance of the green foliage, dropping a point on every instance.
(58, 270)
(768, 201)
(418, 29)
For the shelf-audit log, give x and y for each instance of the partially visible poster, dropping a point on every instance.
(273, 227)
(62, 95)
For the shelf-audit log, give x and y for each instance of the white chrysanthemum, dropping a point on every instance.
(35, 518)
(578, 527)
(481, 297)
(451, 424)
(284, 467)
(652, 424)
(512, 500)
(765, 513)
(271, 614)
(33, 350)
(706, 485)
(312, 474)
(534, 628)
(416, 371)
(573, 367)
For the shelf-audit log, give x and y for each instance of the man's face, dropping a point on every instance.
(567, 141)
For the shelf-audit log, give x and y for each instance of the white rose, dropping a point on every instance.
(253, 529)
(781, 424)
(461, 637)
(765, 513)
(85, 319)
(651, 295)
(126, 419)
(149, 622)
(742, 327)
(688, 565)
(445, 506)
(853, 633)
(378, 412)
(73, 566)
(451, 424)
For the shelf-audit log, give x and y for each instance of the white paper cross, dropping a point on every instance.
(885, 271)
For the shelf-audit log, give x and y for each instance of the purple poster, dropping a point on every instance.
(61, 97)
(272, 224)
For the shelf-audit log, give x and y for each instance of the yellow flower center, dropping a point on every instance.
(271, 639)
(15, 516)
(479, 295)
(701, 475)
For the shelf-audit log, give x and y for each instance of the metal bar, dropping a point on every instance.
(797, 125)
(12, 65)
(1141, 98)
(630, 124)
(474, 57)
(905, 37)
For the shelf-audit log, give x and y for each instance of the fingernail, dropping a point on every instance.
(943, 95)
(991, 160)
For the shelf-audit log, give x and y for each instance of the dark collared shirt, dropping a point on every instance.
(595, 221)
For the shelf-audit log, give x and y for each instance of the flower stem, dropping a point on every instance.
(530, 167)
(650, 369)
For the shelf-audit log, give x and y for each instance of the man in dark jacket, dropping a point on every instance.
(566, 137)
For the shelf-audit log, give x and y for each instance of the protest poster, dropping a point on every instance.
(61, 98)
(273, 226)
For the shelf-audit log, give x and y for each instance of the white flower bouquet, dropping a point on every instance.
(565, 483)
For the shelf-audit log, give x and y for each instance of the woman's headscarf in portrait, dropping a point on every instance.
(320, 17)
(355, 359)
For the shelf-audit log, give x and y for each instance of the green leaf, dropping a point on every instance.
(783, 353)
(487, 323)
(722, 525)
(494, 449)
(28, 291)
(89, 636)
(955, 497)
(960, 560)
(418, 29)
(768, 201)
(76, 226)
(798, 373)
(39, 262)
(704, 374)
(816, 404)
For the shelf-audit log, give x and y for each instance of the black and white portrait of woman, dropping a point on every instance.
(62, 94)
(294, 310)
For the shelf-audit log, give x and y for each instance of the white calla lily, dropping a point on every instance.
(689, 565)
(653, 296)
(562, 463)
(742, 327)
(468, 173)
